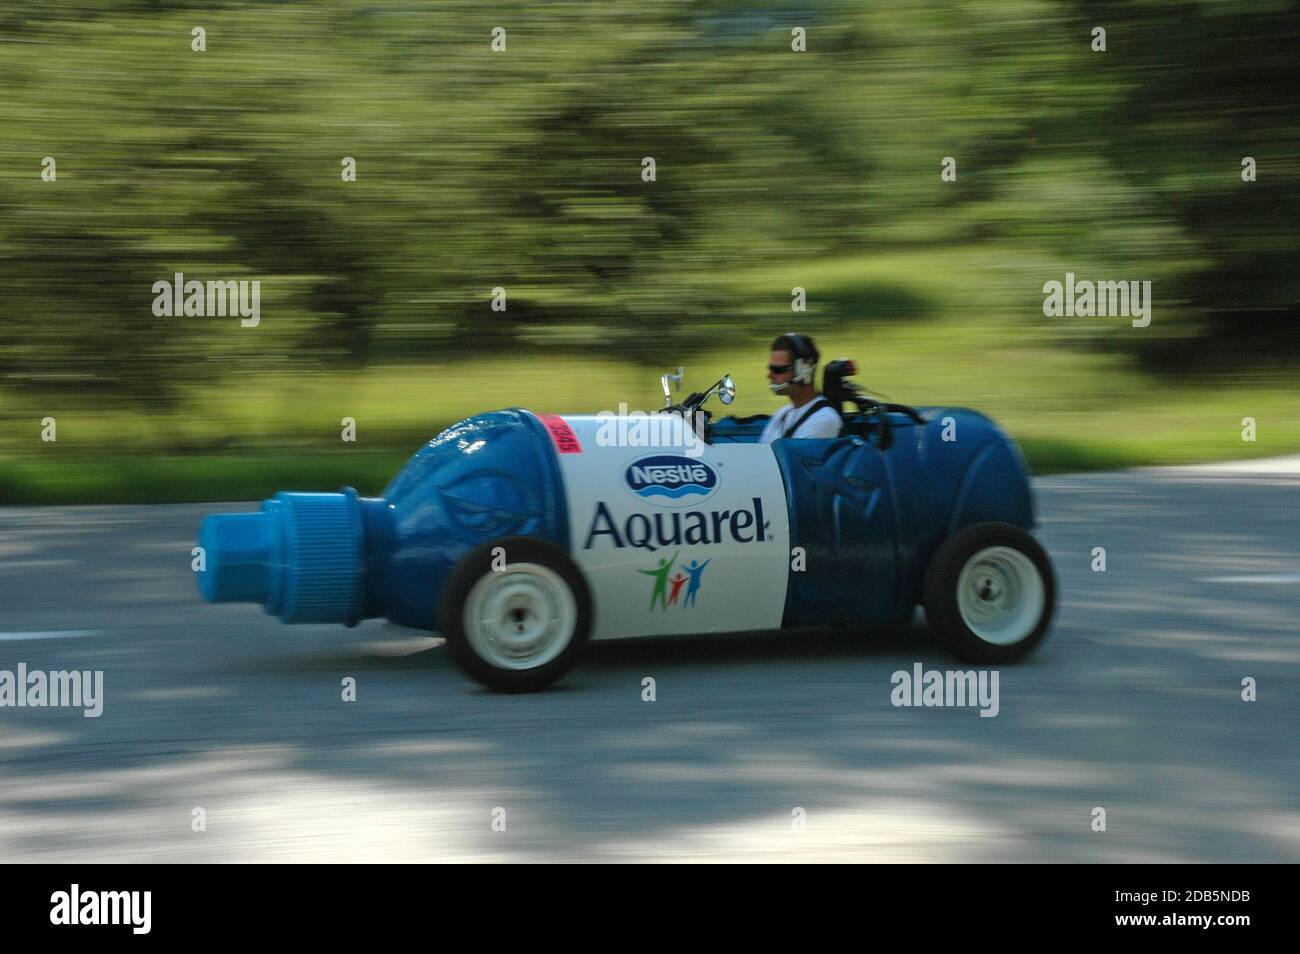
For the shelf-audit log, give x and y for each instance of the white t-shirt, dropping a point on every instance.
(823, 422)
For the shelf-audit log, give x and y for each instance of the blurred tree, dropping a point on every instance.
(523, 170)
(1206, 84)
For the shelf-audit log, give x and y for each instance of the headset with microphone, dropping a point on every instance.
(805, 364)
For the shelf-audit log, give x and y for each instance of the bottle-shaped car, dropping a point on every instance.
(521, 536)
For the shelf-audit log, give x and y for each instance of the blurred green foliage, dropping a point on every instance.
(523, 169)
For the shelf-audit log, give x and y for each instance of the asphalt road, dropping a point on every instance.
(1134, 704)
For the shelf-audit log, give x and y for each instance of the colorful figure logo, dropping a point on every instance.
(695, 569)
(667, 596)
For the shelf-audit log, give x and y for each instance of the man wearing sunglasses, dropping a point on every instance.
(792, 372)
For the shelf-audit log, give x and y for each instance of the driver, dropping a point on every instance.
(791, 372)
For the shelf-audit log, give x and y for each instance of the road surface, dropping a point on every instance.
(1133, 704)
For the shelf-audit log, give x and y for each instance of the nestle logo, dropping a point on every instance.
(671, 476)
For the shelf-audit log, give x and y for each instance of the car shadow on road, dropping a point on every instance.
(415, 653)
(820, 643)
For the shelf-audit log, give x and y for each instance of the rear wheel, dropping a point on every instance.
(520, 626)
(990, 593)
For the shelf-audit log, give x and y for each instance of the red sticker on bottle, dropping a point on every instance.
(566, 442)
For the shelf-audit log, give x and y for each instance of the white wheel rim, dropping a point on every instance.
(520, 617)
(1000, 595)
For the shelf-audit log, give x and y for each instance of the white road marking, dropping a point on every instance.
(1257, 578)
(48, 634)
(1289, 464)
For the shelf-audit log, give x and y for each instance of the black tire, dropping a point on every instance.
(942, 603)
(477, 564)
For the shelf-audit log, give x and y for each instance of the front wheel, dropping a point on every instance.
(989, 593)
(516, 613)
